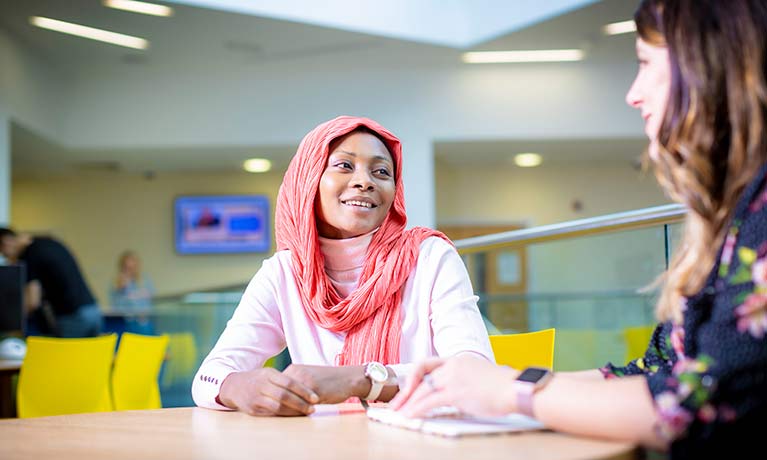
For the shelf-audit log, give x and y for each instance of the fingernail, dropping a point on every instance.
(311, 410)
(314, 397)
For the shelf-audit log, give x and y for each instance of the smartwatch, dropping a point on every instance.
(527, 383)
(378, 375)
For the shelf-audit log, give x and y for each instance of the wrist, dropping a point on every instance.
(359, 382)
(526, 385)
(508, 395)
(224, 390)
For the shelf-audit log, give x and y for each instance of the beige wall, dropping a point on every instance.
(543, 195)
(98, 215)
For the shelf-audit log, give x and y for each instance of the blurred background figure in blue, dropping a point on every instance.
(131, 292)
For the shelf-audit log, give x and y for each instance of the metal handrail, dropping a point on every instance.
(630, 220)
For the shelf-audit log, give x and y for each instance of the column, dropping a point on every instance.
(5, 168)
(418, 177)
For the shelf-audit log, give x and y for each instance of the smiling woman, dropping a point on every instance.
(357, 186)
(354, 296)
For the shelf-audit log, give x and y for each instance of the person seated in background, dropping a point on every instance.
(701, 388)
(353, 295)
(131, 293)
(56, 295)
(131, 289)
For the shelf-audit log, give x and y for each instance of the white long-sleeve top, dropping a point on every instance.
(439, 318)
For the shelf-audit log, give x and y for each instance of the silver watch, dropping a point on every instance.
(378, 376)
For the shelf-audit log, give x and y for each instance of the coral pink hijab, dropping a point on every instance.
(370, 315)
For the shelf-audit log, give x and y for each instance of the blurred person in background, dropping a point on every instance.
(131, 289)
(131, 293)
(56, 296)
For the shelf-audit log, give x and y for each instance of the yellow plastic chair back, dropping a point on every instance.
(182, 359)
(527, 349)
(65, 376)
(637, 339)
(136, 370)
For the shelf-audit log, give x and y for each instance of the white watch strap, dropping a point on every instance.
(375, 390)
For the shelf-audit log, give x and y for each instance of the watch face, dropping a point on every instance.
(532, 374)
(377, 372)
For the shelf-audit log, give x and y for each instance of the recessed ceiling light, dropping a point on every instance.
(257, 165)
(493, 57)
(89, 32)
(623, 27)
(527, 160)
(140, 7)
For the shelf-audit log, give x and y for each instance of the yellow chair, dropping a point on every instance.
(65, 376)
(136, 370)
(637, 339)
(182, 359)
(527, 349)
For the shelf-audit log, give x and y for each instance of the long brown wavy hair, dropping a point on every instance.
(712, 140)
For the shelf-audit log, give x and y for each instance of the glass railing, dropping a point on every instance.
(589, 279)
(583, 278)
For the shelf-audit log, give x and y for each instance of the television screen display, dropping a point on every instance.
(222, 224)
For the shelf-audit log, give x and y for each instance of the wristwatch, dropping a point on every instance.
(378, 375)
(527, 383)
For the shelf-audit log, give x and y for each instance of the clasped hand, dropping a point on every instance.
(292, 392)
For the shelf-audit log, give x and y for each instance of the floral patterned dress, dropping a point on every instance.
(708, 374)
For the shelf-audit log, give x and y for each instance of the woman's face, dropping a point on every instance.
(130, 264)
(650, 91)
(356, 189)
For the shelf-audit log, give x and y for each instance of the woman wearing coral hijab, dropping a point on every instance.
(353, 295)
(701, 388)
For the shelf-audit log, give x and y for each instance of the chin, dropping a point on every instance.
(653, 150)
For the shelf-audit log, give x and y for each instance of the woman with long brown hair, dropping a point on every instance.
(701, 388)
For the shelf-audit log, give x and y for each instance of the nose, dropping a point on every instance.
(633, 97)
(362, 180)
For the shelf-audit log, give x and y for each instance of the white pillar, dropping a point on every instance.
(5, 169)
(418, 176)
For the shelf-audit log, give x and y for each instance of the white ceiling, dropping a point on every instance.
(195, 36)
(453, 23)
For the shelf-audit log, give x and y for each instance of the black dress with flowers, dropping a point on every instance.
(708, 374)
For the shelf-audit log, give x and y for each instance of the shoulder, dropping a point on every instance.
(435, 245)
(276, 267)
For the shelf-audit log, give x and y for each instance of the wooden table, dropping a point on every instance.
(196, 433)
(8, 368)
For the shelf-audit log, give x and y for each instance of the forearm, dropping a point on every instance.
(619, 409)
(589, 374)
(33, 296)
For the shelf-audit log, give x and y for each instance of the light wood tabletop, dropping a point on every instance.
(207, 434)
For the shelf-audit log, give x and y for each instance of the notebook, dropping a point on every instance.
(450, 423)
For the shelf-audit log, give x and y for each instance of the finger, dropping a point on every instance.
(285, 397)
(421, 406)
(267, 407)
(262, 406)
(420, 393)
(288, 412)
(295, 387)
(414, 380)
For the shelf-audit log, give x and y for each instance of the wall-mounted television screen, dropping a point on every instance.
(221, 224)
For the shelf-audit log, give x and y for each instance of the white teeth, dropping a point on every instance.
(359, 203)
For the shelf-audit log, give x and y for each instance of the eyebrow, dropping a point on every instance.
(376, 157)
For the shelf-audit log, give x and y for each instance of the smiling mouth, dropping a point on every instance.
(359, 204)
